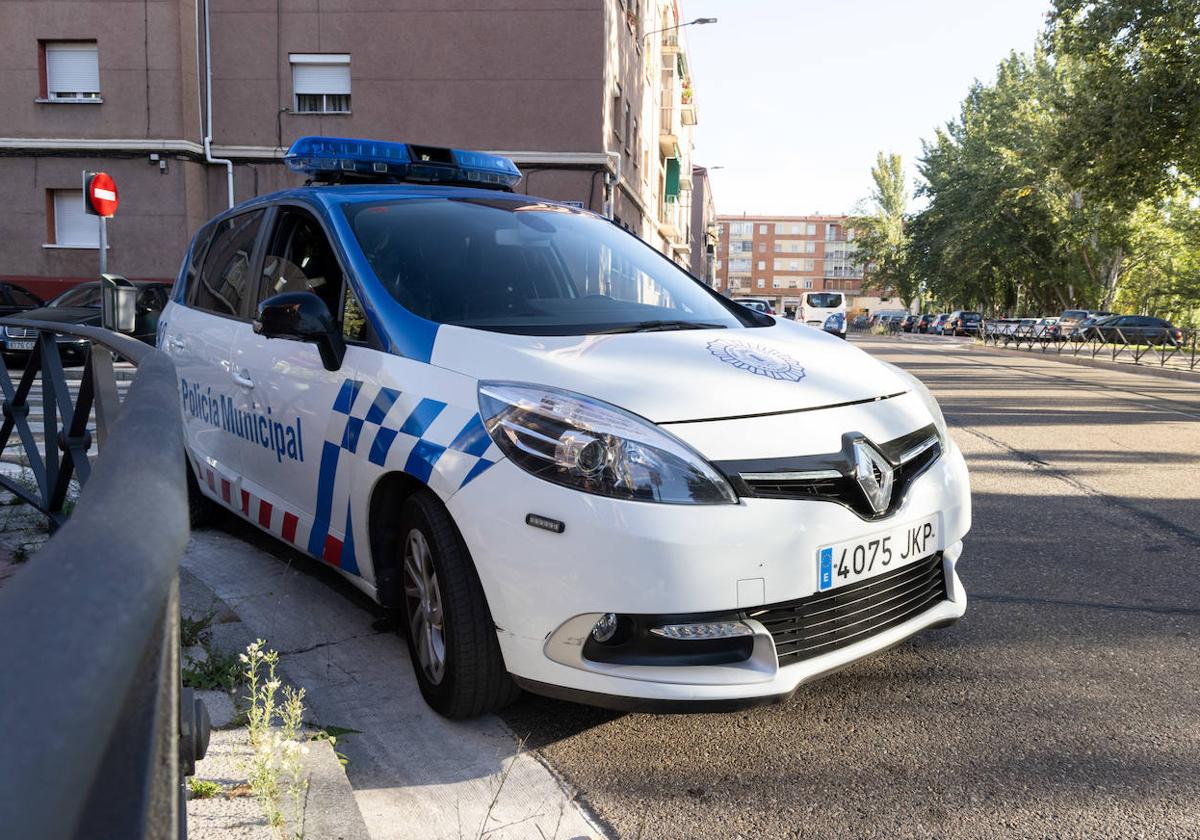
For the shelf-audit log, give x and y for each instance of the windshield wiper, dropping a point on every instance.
(662, 326)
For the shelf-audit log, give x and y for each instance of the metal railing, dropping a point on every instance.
(98, 734)
(1163, 347)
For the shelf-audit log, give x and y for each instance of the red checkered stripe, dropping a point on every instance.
(272, 518)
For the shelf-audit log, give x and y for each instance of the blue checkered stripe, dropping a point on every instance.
(444, 446)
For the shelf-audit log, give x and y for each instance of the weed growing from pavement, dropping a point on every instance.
(195, 631)
(217, 671)
(273, 724)
(203, 788)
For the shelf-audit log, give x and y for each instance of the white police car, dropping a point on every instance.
(574, 467)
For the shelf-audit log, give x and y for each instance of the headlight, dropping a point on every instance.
(931, 404)
(595, 447)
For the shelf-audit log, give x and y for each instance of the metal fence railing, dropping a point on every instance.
(98, 733)
(1158, 346)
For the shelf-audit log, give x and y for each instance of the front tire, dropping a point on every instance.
(451, 636)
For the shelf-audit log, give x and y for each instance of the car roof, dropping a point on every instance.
(330, 195)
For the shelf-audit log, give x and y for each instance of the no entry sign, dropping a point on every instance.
(100, 194)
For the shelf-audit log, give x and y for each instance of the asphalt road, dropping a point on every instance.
(1065, 704)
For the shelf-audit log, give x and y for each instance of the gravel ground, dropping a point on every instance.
(225, 817)
(1063, 705)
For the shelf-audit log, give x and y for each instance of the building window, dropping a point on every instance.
(633, 141)
(762, 265)
(774, 284)
(808, 284)
(812, 230)
(68, 224)
(71, 71)
(762, 247)
(616, 114)
(321, 82)
(762, 229)
(762, 284)
(628, 130)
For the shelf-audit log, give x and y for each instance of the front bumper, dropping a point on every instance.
(547, 590)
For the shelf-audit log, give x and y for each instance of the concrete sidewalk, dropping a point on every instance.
(414, 774)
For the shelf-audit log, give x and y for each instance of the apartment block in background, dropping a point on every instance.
(592, 100)
(780, 257)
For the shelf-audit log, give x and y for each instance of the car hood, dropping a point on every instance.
(64, 315)
(680, 375)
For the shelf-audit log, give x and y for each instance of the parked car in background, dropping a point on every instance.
(81, 306)
(1136, 329)
(909, 322)
(835, 324)
(758, 305)
(938, 323)
(1071, 320)
(961, 322)
(924, 322)
(1082, 330)
(15, 300)
(860, 322)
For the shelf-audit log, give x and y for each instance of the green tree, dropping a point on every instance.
(1130, 121)
(879, 233)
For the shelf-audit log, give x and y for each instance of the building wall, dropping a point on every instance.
(534, 80)
(764, 241)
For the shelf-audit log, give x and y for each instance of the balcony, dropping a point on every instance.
(668, 133)
(670, 43)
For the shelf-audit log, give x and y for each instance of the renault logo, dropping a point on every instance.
(874, 475)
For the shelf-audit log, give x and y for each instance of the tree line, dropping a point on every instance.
(1072, 180)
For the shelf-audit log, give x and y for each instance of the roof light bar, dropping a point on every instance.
(331, 159)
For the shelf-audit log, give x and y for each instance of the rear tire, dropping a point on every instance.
(450, 633)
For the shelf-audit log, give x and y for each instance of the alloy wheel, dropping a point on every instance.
(424, 601)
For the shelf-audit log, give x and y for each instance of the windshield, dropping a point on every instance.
(524, 267)
(824, 301)
(86, 296)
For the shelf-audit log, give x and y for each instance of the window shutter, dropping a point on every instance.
(671, 188)
(321, 78)
(72, 225)
(72, 68)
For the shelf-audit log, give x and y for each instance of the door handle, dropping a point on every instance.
(174, 343)
(240, 377)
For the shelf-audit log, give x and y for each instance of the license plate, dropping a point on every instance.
(20, 345)
(848, 562)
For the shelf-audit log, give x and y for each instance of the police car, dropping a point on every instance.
(573, 467)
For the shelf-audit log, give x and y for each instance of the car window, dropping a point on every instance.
(517, 265)
(153, 297)
(195, 259)
(86, 295)
(20, 297)
(225, 278)
(824, 300)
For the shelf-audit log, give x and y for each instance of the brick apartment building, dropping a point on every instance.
(780, 257)
(592, 99)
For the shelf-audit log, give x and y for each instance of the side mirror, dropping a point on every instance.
(302, 316)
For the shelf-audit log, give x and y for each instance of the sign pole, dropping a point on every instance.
(103, 244)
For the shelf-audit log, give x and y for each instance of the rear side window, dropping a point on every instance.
(225, 280)
(22, 298)
(190, 275)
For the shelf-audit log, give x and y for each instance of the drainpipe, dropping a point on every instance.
(208, 156)
(612, 178)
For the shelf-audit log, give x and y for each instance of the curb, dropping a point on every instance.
(331, 812)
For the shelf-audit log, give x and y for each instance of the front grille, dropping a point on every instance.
(831, 477)
(20, 332)
(827, 621)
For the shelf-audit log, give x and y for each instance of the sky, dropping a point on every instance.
(795, 97)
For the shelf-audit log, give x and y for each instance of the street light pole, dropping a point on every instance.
(697, 22)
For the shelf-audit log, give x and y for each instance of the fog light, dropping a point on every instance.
(605, 628)
(711, 630)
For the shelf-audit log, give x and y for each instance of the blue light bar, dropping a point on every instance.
(341, 158)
